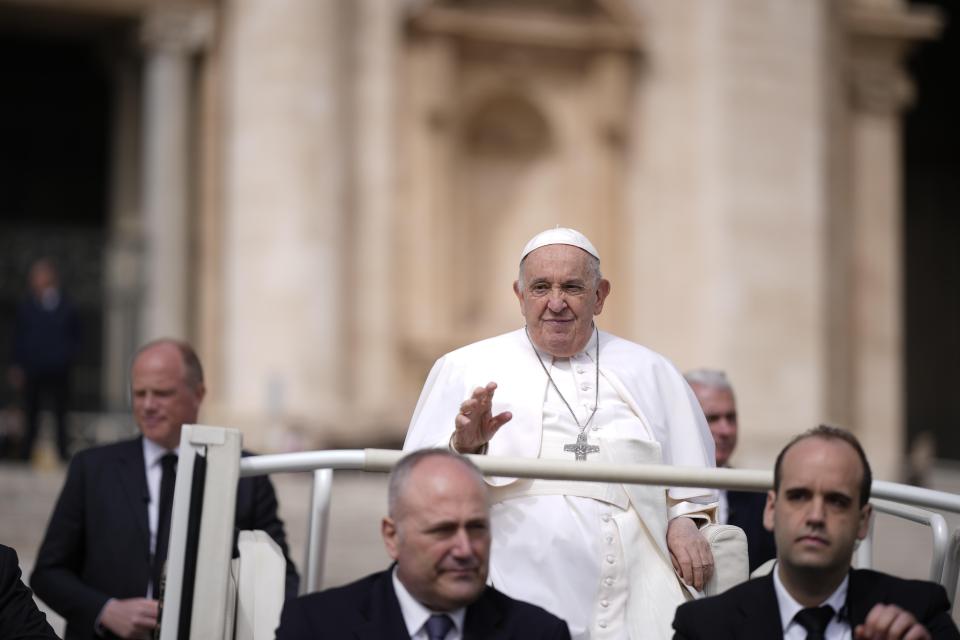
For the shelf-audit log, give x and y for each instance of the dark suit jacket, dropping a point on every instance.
(746, 511)
(19, 617)
(97, 544)
(750, 610)
(369, 609)
(46, 340)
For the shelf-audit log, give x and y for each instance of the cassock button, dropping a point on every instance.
(605, 517)
(603, 624)
(608, 582)
(609, 539)
(611, 559)
(585, 386)
(604, 603)
(580, 369)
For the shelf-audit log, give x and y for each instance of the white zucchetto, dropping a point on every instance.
(559, 235)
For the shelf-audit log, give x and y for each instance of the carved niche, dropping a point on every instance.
(513, 120)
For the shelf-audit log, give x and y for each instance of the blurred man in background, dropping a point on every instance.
(45, 345)
(741, 508)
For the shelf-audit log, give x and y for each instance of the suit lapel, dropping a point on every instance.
(482, 621)
(132, 477)
(760, 610)
(383, 619)
(862, 594)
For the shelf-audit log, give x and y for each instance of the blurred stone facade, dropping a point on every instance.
(325, 196)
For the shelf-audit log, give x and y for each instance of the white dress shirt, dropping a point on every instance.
(152, 454)
(837, 629)
(415, 615)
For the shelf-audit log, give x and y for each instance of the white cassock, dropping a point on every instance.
(593, 554)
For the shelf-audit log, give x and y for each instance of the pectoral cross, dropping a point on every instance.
(581, 447)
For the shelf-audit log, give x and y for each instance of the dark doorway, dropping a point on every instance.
(932, 238)
(54, 144)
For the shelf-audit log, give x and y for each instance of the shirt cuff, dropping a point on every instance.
(482, 452)
(97, 627)
(694, 510)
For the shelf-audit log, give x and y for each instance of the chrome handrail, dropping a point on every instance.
(944, 566)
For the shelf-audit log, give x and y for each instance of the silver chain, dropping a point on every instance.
(596, 386)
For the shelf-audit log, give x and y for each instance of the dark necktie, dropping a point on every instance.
(169, 465)
(815, 621)
(437, 626)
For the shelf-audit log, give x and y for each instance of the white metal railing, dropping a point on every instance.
(938, 528)
(888, 497)
(952, 567)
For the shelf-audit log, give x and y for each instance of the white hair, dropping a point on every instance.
(711, 378)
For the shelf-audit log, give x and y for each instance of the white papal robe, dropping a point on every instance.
(593, 554)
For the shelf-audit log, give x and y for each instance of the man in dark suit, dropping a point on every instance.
(741, 508)
(438, 533)
(20, 619)
(45, 346)
(99, 563)
(818, 509)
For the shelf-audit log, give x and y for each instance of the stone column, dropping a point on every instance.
(123, 250)
(880, 33)
(170, 35)
(372, 274)
(284, 347)
(426, 199)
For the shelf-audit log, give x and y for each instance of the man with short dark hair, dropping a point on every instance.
(100, 562)
(438, 534)
(740, 508)
(818, 509)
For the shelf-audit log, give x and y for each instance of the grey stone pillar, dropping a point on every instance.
(880, 35)
(170, 36)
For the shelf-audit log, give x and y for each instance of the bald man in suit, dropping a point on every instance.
(818, 508)
(100, 560)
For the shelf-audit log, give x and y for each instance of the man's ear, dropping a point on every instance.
(388, 530)
(768, 510)
(603, 290)
(865, 512)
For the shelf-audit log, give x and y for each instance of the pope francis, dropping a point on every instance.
(606, 558)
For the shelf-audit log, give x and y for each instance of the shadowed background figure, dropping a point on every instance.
(741, 508)
(45, 345)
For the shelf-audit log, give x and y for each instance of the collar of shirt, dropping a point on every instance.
(50, 299)
(415, 615)
(838, 628)
(588, 351)
(152, 452)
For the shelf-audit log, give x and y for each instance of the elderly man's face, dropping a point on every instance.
(720, 409)
(163, 400)
(816, 515)
(440, 536)
(559, 298)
